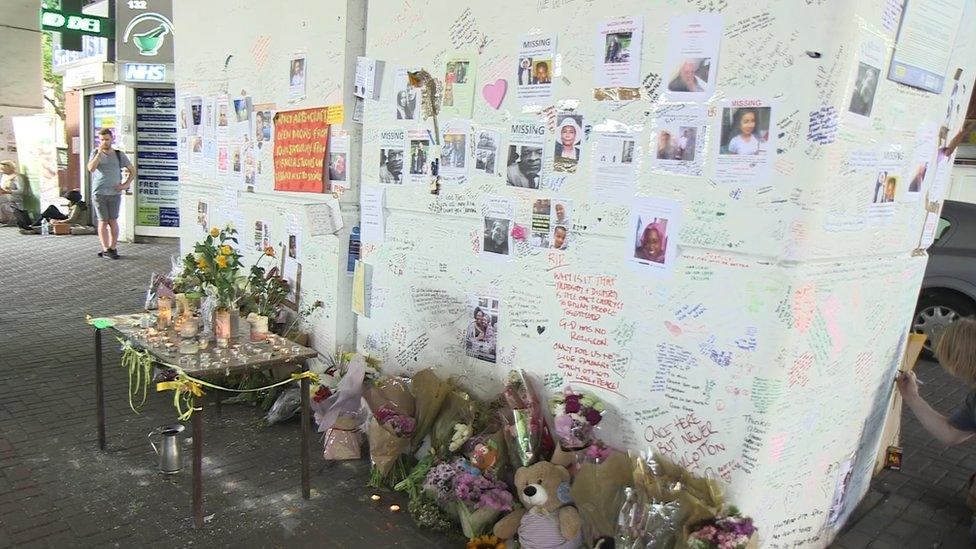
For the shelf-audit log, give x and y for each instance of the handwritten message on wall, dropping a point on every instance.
(301, 138)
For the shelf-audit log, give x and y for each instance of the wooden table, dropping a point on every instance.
(127, 327)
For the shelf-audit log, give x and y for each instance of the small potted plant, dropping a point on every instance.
(265, 296)
(218, 264)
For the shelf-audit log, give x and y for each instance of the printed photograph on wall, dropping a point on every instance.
(486, 151)
(845, 471)
(481, 336)
(677, 144)
(885, 187)
(655, 222)
(407, 98)
(458, 95)
(418, 141)
(915, 185)
(391, 166)
(223, 162)
(524, 166)
(551, 223)
(745, 131)
(262, 235)
(203, 215)
(496, 237)
(862, 98)
(612, 166)
(691, 75)
(454, 151)
(296, 77)
(568, 142)
(222, 114)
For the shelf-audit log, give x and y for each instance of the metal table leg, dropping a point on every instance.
(99, 389)
(306, 435)
(197, 420)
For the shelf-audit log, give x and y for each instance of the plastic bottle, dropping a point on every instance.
(45, 228)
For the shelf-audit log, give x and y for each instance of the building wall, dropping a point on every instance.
(20, 60)
(243, 49)
(765, 357)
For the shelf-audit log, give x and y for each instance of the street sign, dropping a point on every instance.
(77, 23)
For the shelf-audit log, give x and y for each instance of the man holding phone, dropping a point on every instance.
(106, 165)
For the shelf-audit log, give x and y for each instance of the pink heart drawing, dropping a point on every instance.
(495, 93)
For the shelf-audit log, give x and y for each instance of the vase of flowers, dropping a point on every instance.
(222, 327)
(216, 266)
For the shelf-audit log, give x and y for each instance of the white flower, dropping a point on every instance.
(461, 435)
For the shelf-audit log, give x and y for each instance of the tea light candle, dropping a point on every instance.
(165, 312)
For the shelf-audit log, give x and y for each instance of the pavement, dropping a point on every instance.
(58, 490)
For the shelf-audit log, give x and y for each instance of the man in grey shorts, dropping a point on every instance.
(106, 166)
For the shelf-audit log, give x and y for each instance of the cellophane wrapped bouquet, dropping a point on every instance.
(732, 531)
(390, 430)
(597, 491)
(526, 433)
(337, 404)
(662, 504)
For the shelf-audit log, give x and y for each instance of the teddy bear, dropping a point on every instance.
(547, 521)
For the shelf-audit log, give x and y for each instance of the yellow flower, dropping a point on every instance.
(269, 251)
(221, 261)
(226, 250)
(486, 542)
(202, 263)
(215, 232)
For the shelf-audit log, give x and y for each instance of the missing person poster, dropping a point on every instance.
(613, 168)
(391, 156)
(534, 70)
(618, 52)
(459, 81)
(692, 60)
(746, 145)
(301, 138)
(481, 336)
(454, 151)
(525, 146)
(653, 244)
(888, 183)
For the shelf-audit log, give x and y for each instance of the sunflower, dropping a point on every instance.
(202, 263)
(269, 251)
(486, 542)
(221, 261)
(226, 250)
(215, 232)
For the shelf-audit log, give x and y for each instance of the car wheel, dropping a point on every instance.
(935, 311)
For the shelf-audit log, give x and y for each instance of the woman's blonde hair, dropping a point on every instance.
(956, 350)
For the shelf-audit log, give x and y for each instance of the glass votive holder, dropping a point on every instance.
(204, 360)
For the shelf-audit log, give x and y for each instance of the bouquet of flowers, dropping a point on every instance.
(575, 415)
(480, 499)
(429, 393)
(390, 430)
(460, 417)
(598, 489)
(526, 433)
(337, 404)
(729, 532)
(663, 501)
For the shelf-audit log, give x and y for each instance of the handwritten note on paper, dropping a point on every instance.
(892, 14)
(324, 218)
(823, 126)
(371, 219)
(361, 282)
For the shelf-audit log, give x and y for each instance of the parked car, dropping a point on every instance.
(949, 287)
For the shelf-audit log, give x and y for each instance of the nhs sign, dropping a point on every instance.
(145, 72)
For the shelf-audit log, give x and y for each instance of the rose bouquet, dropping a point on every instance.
(526, 433)
(729, 532)
(390, 430)
(575, 416)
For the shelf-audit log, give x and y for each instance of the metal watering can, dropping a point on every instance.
(169, 451)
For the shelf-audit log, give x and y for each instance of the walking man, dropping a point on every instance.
(106, 165)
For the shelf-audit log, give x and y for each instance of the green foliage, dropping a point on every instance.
(53, 82)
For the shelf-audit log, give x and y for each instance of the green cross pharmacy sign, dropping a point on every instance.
(77, 23)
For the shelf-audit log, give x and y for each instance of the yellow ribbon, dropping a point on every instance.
(187, 387)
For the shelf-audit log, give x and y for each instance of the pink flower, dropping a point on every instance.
(593, 417)
(518, 232)
(572, 406)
